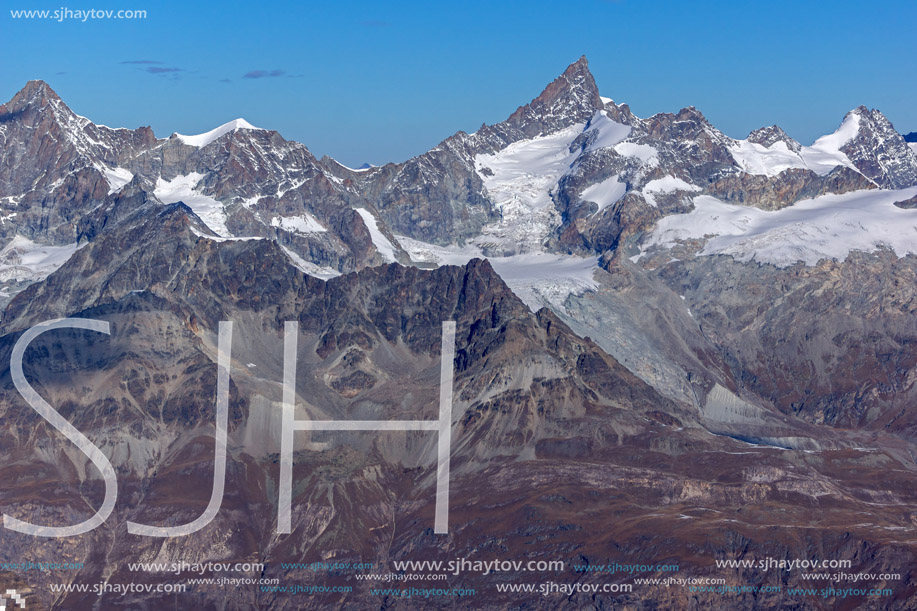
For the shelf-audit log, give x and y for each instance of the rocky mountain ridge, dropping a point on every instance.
(252, 182)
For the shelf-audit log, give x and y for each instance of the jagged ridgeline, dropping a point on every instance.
(672, 346)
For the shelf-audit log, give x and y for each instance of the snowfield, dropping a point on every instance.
(181, 189)
(22, 259)
(666, 184)
(519, 180)
(521, 177)
(310, 268)
(604, 193)
(538, 279)
(609, 132)
(116, 177)
(823, 156)
(827, 227)
(643, 152)
(304, 223)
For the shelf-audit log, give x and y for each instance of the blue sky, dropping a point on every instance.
(382, 81)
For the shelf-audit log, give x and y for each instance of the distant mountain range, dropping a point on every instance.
(672, 346)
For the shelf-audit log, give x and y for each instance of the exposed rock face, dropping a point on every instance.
(686, 147)
(436, 197)
(136, 195)
(63, 178)
(846, 325)
(696, 141)
(53, 163)
(786, 188)
(265, 186)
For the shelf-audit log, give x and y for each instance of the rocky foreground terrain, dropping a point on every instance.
(673, 348)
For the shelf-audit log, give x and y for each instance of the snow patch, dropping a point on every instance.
(825, 153)
(643, 152)
(666, 184)
(756, 158)
(222, 239)
(347, 167)
(116, 177)
(847, 131)
(827, 227)
(202, 140)
(609, 132)
(181, 189)
(538, 279)
(22, 259)
(310, 268)
(382, 243)
(304, 223)
(604, 193)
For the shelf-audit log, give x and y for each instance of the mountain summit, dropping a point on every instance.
(573, 97)
(201, 140)
(879, 152)
(34, 91)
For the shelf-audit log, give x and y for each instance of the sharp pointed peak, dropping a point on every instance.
(572, 97)
(864, 113)
(579, 76)
(870, 114)
(34, 91)
(578, 66)
(39, 86)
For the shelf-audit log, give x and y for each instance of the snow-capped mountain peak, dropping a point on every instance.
(847, 131)
(202, 140)
(878, 151)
